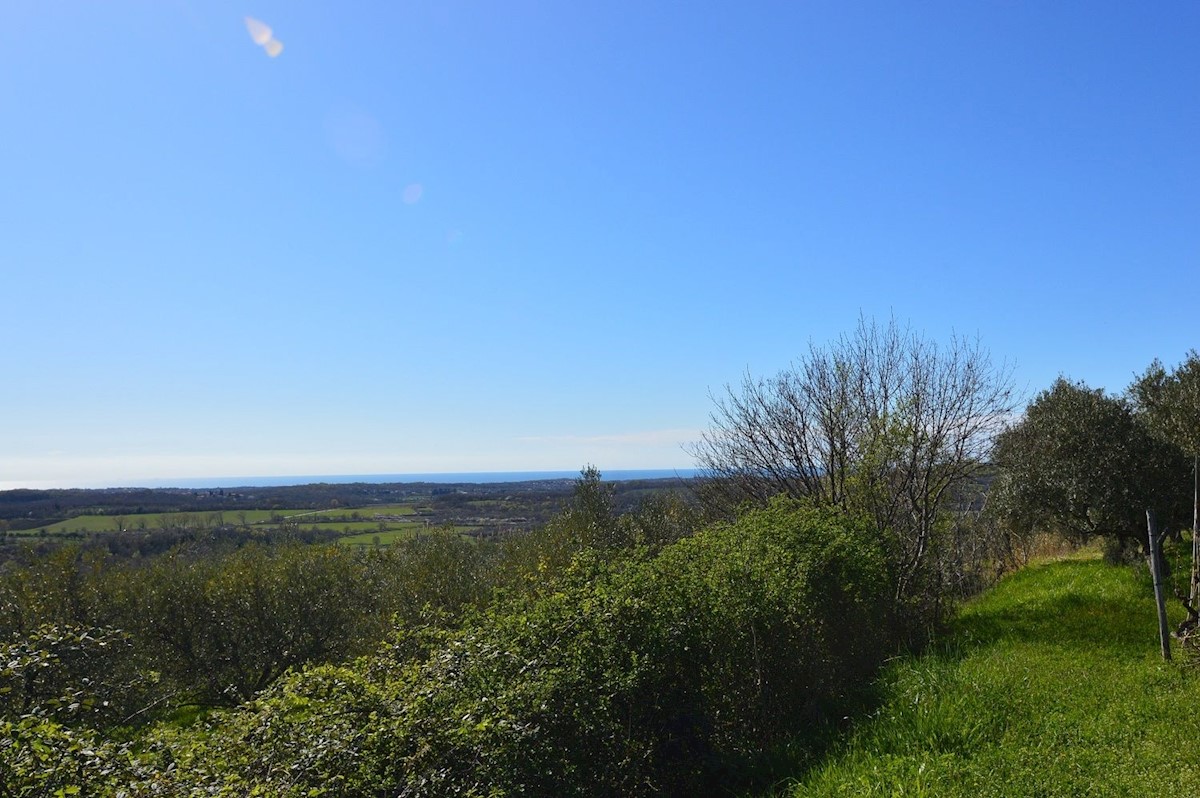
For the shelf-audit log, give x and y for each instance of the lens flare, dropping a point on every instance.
(259, 31)
(412, 193)
(262, 35)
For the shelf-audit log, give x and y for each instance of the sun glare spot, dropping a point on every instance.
(259, 31)
(412, 193)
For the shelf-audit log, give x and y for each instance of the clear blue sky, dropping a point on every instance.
(450, 236)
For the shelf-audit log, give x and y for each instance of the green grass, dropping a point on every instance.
(384, 538)
(366, 526)
(1049, 685)
(407, 532)
(365, 512)
(151, 521)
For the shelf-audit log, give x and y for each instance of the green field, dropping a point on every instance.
(391, 536)
(1049, 685)
(365, 512)
(367, 526)
(151, 521)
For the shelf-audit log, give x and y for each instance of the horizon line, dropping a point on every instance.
(296, 480)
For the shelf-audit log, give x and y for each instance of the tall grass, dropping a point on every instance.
(1049, 685)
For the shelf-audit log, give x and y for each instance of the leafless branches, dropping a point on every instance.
(882, 422)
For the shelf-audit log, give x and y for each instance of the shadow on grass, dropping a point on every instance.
(1067, 604)
(770, 771)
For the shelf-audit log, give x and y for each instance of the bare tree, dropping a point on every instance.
(882, 422)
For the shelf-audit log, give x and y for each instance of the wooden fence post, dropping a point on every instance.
(1194, 589)
(1156, 572)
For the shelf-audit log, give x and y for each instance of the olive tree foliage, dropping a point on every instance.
(1169, 401)
(1080, 463)
(882, 423)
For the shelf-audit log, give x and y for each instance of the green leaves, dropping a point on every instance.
(621, 669)
(626, 676)
(1170, 401)
(1082, 464)
(882, 422)
(40, 757)
(227, 626)
(72, 674)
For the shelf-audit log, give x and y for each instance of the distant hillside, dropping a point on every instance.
(535, 500)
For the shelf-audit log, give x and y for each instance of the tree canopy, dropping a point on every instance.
(1170, 401)
(882, 423)
(1082, 464)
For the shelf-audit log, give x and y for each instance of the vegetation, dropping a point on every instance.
(624, 675)
(337, 517)
(1048, 685)
(882, 424)
(216, 625)
(1170, 401)
(1082, 464)
(1170, 404)
(639, 641)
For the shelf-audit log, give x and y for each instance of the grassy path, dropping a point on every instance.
(1052, 686)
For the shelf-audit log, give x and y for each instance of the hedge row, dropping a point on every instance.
(650, 674)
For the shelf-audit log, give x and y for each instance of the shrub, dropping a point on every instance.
(441, 573)
(73, 675)
(226, 627)
(631, 676)
(40, 757)
(55, 685)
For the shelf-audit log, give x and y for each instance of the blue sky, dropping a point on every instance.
(465, 236)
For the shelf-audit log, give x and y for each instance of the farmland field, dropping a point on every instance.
(336, 518)
(407, 532)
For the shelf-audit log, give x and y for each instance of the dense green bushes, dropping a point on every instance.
(94, 647)
(589, 522)
(633, 675)
(73, 675)
(603, 655)
(227, 627)
(217, 625)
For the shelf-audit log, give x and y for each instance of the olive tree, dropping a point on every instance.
(1080, 463)
(882, 422)
(1170, 403)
